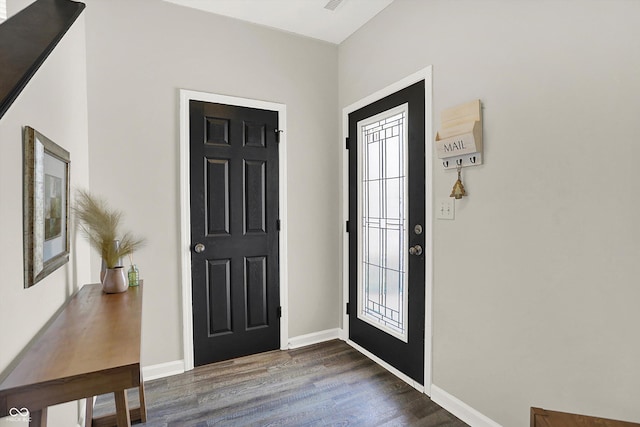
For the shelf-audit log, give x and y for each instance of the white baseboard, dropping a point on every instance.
(314, 338)
(162, 370)
(167, 369)
(82, 410)
(407, 379)
(460, 409)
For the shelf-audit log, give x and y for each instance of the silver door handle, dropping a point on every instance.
(415, 250)
(199, 248)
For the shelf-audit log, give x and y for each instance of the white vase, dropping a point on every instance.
(114, 281)
(103, 267)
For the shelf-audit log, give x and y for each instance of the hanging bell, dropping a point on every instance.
(458, 188)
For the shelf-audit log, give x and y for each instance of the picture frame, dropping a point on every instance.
(45, 207)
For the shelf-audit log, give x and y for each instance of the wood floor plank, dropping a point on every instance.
(327, 384)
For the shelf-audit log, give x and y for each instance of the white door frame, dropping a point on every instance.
(185, 211)
(425, 74)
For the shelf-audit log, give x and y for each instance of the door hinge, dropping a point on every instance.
(279, 312)
(348, 309)
(278, 225)
(348, 142)
(278, 132)
(347, 226)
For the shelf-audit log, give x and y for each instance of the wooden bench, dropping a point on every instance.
(91, 348)
(544, 418)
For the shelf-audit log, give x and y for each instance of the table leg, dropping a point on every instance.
(143, 405)
(88, 413)
(122, 409)
(38, 418)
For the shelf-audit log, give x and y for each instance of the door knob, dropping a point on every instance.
(415, 250)
(199, 248)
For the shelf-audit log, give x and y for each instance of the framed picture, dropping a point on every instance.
(46, 206)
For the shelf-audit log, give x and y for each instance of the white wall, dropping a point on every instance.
(535, 282)
(55, 103)
(15, 6)
(535, 291)
(3, 10)
(139, 55)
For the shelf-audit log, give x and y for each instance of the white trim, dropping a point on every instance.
(314, 338)
(460, 409)
(413, 383)
(426, 75)
(343, 334)
(185, 211)
(428, 229)
(161, 370)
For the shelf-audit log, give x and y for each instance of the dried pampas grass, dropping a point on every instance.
(101, 226)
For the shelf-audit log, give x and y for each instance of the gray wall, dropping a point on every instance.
(535, 291)
(54, 102)
(535, 282)
(139, 55)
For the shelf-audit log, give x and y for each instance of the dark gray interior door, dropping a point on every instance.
(386, 223)
(234, 231)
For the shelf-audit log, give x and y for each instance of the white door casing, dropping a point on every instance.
(185, 211)
(425, 74)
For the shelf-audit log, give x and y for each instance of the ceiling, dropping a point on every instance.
(305, 17)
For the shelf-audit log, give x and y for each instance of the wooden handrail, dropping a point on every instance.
(27, 39)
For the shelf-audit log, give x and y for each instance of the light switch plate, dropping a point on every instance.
(446, 208)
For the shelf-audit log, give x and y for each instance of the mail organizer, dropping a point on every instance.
(459, 140)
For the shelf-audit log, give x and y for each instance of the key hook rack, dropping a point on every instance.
(459, 140)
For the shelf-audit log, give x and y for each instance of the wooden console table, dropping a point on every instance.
(91, 348)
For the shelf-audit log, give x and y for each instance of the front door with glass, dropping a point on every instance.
(386, 217)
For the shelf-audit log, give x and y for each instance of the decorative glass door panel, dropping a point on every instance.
(382, 221)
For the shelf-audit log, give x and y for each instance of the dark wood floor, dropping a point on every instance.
(327, 384)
